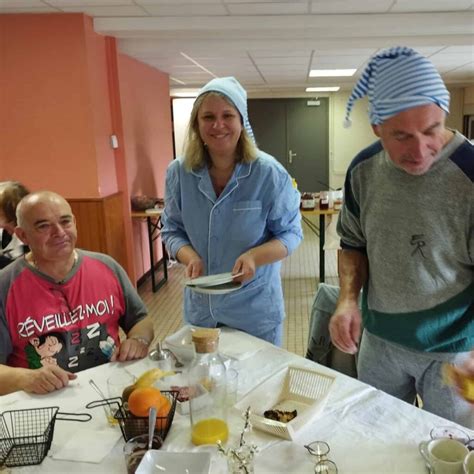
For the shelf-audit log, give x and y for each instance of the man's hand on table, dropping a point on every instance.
(46, 379)
(345, 327)
(130, 349)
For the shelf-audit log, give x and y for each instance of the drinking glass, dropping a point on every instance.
(318, 449)
(135, 448)
(325, 467)
(116, 383)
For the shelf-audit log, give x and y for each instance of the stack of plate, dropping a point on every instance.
(215, 284)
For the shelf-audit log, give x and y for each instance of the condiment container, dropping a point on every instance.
(323, 200)
(308, 202)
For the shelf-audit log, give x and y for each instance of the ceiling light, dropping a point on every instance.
(322, 89)
(190, 94)
(177, 80)
(331, 72)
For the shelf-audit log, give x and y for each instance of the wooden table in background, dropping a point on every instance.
(321, 232)
(153, 221)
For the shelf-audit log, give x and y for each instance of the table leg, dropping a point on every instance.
(153, 233)
(152, 253)
(322, 237)
(165, 260)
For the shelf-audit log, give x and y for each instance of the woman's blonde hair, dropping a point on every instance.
(195, 152)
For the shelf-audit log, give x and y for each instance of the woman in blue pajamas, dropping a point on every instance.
(230, 207)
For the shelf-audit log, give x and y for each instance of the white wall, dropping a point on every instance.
(346, 143)
(181, 113)
(468, 107)
(456, 105)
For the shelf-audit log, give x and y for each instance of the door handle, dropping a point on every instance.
(291, 155)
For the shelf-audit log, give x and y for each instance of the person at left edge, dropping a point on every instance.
(230, 207)
(61, 307)
(11, 247)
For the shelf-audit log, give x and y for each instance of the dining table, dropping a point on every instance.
(367, 430)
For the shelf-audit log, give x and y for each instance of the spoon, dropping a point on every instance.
(97, 389)
(151, 425)
(177, 362)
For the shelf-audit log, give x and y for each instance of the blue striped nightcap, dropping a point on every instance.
(232, 89)
(397, 79)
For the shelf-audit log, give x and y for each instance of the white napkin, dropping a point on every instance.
(238, 346)
(284, 457)
(86, 445)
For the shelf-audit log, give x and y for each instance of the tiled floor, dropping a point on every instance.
(300, 276)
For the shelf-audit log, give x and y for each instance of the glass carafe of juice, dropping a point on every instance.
(207, 390)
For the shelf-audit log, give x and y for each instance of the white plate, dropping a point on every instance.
(159, 462)
(181, 343)
(221, 289)
(213, 280)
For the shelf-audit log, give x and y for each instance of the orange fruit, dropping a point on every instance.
(142, 399)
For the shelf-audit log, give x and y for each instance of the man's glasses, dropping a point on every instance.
(320, 451)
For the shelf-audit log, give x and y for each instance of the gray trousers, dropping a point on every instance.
(403, 373)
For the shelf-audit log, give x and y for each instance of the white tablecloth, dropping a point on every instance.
(367, 430)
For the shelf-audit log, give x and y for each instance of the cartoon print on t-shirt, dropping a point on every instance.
(107, 347)
(41, 350)
(88, 347)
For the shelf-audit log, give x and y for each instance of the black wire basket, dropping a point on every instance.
(132, 425)
(26, 435)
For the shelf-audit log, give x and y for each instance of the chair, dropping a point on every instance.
(320, 348)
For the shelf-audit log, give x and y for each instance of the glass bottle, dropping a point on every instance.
(208, 392)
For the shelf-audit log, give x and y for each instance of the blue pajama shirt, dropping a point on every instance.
(257, 205)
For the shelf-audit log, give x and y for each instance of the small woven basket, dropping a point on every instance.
(299, 388)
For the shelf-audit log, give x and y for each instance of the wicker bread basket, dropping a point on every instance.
(293, 388)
